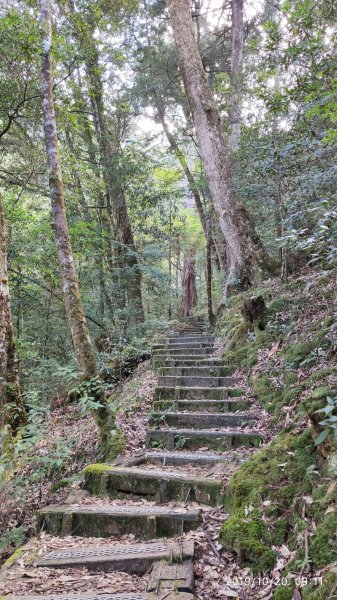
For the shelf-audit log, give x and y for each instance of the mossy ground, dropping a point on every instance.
(284, 490)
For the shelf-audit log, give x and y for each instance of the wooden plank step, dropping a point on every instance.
(130, 558)
(159, 485)
(210, 406)
(191, 438)
(97, 520)
(195, 393)
(199, 420)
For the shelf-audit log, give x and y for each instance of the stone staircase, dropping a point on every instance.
(197, 407)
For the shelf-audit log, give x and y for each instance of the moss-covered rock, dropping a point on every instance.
(275, 473)
(249, 538)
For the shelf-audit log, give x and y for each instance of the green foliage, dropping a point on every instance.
(329, 423)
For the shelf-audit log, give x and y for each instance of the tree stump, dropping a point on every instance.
(254, 311)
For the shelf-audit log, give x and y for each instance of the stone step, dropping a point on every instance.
(208, 406)
(152, 484)
(198, 420)
(187, 371)
(195, 393)
(183, 344)
(186, 338)
(183, 350)
(191, 438)
(96, 520)
(130, 558)
(165, 457)
(187, 361)
(177, 577)
(196, 381)
(106, 596)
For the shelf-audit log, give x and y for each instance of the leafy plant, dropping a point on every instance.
(330, 421)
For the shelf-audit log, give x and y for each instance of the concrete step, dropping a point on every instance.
(152, 484)
(183, 350)
(96, 520)
(179, 457)
(183, 344)
(195, 393)
(98, 596)
(187, 361)
(208, 406)
(130, 558)
(198, 420)
(186, 338)
(187, 371)
(178, 577)
(195, 381)
(191, 438)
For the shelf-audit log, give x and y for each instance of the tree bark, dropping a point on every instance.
(244, 249)
(219, 244)
(188, 286)
(12, 411)
(235, 112)
(79, 330)
(116, 194)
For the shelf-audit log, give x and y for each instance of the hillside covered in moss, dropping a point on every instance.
(282, 501)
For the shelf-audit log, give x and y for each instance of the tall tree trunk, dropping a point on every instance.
(235, 113)
(188, 286)
(116, 195)
(219, 244)
(84, 351)
(244, 249)
(12, 411)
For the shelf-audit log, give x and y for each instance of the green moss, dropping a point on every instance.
(321, 591)
(249, 538)
(273, 473)
(323, 544)
(116, 444)
(277, 305)
(283, 592)
(14, 557)
(97, 469)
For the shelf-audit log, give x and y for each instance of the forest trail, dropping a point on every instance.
(149, 506)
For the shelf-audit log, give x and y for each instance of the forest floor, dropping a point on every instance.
(289, 363)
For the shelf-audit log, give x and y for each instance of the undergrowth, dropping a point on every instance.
(284, 496)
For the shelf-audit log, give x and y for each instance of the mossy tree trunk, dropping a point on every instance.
(71, 293)
(244, 249)
(12, 410)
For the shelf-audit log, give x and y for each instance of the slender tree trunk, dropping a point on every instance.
(209, 281)
(12, 411)
(116, 195)
(188, 286)
(83, 348)
(220, 243)
(235, 113)
(244, 249)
